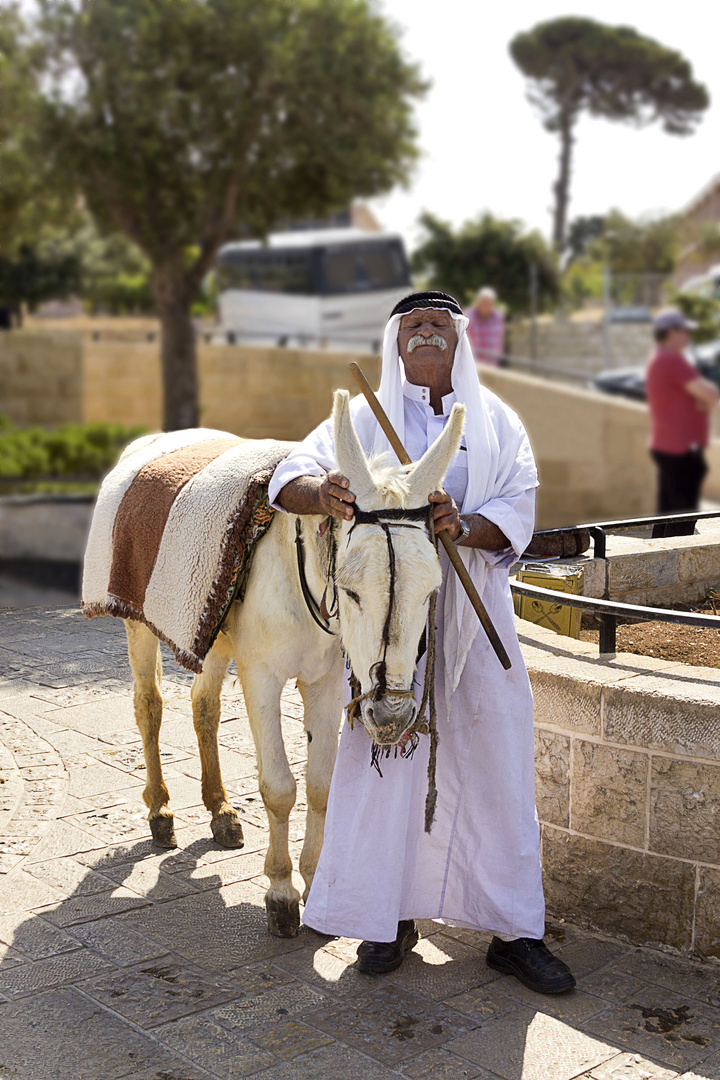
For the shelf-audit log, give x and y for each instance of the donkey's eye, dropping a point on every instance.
(353, 596)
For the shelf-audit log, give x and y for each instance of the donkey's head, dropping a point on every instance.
(386, 575)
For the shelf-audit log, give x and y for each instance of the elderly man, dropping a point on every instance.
(480, 866)
(486, 329)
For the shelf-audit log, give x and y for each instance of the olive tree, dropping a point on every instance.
(184, 122)
(577, 65)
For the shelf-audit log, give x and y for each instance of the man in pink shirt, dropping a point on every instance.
(486, 331)
(680, 402)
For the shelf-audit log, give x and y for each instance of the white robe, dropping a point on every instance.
(480, 865)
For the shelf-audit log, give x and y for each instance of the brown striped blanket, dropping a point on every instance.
(173, 531)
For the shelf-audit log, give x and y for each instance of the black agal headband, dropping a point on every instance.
(426, 300)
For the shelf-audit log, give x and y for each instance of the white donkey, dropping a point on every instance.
(274, 638)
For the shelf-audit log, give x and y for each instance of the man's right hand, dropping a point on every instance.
(335, 496)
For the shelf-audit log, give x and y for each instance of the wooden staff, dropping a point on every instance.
(453, 554)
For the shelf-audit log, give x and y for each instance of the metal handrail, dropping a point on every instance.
(609, 611)
(597, 528)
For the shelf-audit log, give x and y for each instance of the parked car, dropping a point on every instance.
(630, 382)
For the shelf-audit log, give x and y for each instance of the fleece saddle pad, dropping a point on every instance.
(174, 530)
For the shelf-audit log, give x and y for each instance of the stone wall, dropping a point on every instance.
(256, 392)
(591, 449)
(628, 791)
(577, 345)
(40, 378)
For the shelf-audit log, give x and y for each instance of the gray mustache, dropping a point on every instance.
(434, 339)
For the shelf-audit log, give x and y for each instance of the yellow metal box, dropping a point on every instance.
(558, 617)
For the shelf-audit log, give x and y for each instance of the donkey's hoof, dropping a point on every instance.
(162, 828)
(283, 917)
(227, 831)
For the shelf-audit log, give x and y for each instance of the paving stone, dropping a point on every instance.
(71, 877)
(152, 993)
(63, 1036)
(440, 1065)
(336, 1062)
(531, 1045)
(325, 971)
(88, 777)
(116, 942)
(709, 1069)
(246, 1014)
(701, 982)
(611, 985)
(242, 867)
(552, 776)
(218, 928)
(64, 838)
(79, 909)
(35, 937)
(147, 880)
(20, 891)
(439, 967)
(630, 1067)
(618, 890)
(251, 980)
(9, 957)
(482, 1002)
(475, 938)
(287, 1039)
(392, 1025)
(590, 954)
(114, 824)
(572, 1009)
(609, 786)
(203, 1041)
(675, 1031)
(169, 1069)
(39, 975)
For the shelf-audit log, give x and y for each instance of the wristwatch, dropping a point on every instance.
(464, 531)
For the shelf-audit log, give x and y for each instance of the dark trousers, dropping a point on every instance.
(680, 478)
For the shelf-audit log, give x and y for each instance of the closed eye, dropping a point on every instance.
(353, 596)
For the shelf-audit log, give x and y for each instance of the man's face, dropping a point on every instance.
(427, 339)
(677, 339)
(485, 306)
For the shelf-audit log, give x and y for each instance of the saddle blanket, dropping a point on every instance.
(173, 533)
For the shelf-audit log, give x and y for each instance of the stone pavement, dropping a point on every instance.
(122, 962)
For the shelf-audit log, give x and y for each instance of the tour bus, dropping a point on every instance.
(321, 287)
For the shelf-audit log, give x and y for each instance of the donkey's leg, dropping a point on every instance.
(206, 690)
(323, 710)
(146, 665)
(262, 689)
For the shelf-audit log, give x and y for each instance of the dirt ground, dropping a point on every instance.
(668, 641)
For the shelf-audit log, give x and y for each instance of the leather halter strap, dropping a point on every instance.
(310, 601)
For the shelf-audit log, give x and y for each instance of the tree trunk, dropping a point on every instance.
(173, 299)
(561, 187)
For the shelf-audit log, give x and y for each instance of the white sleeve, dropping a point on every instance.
(514, 515)
(315, 456)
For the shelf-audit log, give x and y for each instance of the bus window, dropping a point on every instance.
(266, 271)
(385, 266)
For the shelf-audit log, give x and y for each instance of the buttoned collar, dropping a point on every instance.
(421, 394)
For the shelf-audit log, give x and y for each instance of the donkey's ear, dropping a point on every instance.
(349, 453)
(430, 470)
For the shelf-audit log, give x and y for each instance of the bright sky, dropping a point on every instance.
(484, 148)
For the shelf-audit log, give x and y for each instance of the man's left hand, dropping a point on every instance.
(445, 513)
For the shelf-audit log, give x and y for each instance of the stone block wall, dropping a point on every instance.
(591, 449)
(41, 380)
(628, 791)
(577, 345)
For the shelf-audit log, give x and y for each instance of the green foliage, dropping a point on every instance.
(71, 450)
(114, 275)
(183, 121)
(704, 310)
(32, 278)
(581, 232)
(576, 65)
(488, 251)
(641, 246)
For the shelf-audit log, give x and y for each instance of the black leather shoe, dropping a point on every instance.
(377, 957)
(532, 963)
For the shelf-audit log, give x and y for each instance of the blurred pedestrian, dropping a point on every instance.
(486, 330)
(680, 402)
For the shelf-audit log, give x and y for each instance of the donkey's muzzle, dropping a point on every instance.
(389, 718)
